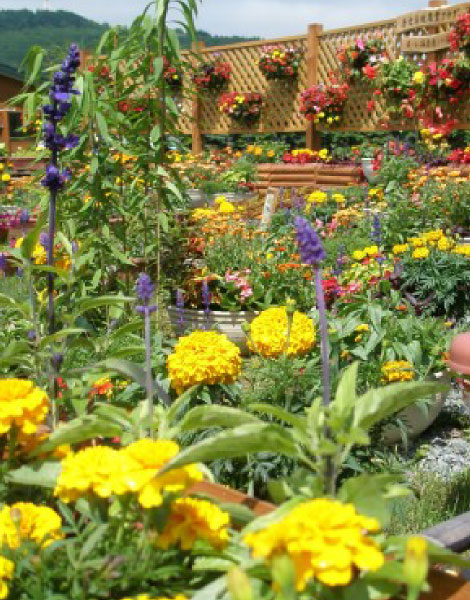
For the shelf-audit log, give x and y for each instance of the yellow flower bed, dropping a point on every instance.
(22, 406)
(325, 539)
(203, 357)
(269, 331)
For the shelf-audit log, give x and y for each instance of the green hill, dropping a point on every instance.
(54, 30)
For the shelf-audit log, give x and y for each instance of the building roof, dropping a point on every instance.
(7, 71)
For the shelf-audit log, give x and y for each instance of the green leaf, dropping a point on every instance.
(204, 417)
(369, 494)
(375, 405)
(60, 335)
(346, 391)
(238, 442)
(79, 430)
(91, 303)
(43, 476)
(93, 540)
(281, 414)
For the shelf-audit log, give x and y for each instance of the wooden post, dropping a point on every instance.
(434, 56)
(313, 139)
(197, 144)
(5, 128)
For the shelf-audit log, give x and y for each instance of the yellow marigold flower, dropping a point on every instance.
(94, 470)
(325, 539)
(26, 521)
(444, 244)
(400, 248)
(6, 177)
(21, 405)
(143, 460)
(359, 255)
(362, 327)
(433, 236)
(203, 357)
(191, 519)
(397, 370)
(418, 78)
(323, 153)
(7, 569)
(371, 250)
(417, 242)
(226, 207)
(463, 249)
(270, 153)
(339, 198)
(219, 199)
(201, 213)
(419, 253)
(317, 197)
(269, 331)
(373, 192)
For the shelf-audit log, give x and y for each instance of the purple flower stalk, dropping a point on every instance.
(24, 217)
(310, 246)
(144, 290)
(180, 306)
(3, 263)
(313, 253)
(377, 229)
(60, 93)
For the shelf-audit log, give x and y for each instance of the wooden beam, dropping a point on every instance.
(313, 139)
(453, 534)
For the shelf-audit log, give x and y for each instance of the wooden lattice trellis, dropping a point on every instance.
(425, 31)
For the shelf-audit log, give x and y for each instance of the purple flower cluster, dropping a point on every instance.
(310, 247)
(144, 289)
(377, 229)
(60, 93)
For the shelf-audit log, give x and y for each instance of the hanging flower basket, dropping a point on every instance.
(280, 63)
(173, 77)
(324, 103)
(244, 108)
(459, 36)
(212, 76)
(361, 59)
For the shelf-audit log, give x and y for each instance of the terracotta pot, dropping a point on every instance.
(229, 323)
(459, 355)
(417, 418)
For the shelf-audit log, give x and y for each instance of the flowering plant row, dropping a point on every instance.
(242, 107)
(278, 62)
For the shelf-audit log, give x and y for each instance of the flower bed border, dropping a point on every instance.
(312, 175)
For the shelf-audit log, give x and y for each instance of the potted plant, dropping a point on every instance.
(212, 76)
(362, 58)
(280, 63)
(324, 103)
(244, 108)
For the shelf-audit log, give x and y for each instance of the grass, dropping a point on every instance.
(434, 500)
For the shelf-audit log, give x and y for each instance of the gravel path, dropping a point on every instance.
(445, 446)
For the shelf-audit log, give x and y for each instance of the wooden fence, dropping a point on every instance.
(422, 35)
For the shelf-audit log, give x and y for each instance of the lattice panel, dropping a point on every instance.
(281, 102)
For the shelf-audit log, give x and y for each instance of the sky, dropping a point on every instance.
(264, 18)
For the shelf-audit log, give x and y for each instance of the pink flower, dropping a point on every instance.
(360, 44)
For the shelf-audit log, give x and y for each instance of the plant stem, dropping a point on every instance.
(148, 373)
(325, 349)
